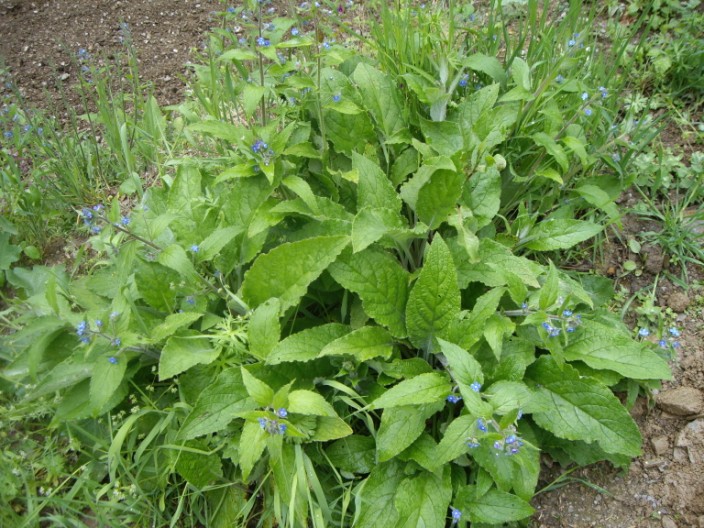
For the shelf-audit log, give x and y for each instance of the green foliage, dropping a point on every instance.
(332, 312)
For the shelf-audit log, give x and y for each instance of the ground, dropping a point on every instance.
(664, 487)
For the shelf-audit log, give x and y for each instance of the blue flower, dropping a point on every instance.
(98, 323)
(282, 428)
(456, 514)
(567, 313)
(476, 386)
(498, 445)
(674, 332)
(560, 79)
(453, 398)
(95, 229)
(230, 9)
(125, 221)
(587, 112)
(294, 32)
(464, 80)
(282, 413)
(264, 42)
(472, 443)
(571, 42)
(8, 134)
(511, 439)
(644, 332)
(263, 422)
(114, 315)
(585, 96)
(258, 146)
(336, 98)
(113, 360)
(662, 343)
(481, 425)
(326, 45)
(81, 328)
(195, 248)
(116, 342)
(191, 300)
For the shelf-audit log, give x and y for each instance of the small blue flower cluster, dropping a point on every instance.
(464, 80)
(671, 339)
(456, 515)
(509, 442)
(263, 42)
(262, 148)
(568, 321)
(90, 216)
(274, 427)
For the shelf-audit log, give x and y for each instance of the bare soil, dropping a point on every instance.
(664, 487)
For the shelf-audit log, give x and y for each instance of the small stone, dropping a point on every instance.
(654, 259)
(678, 301)
(682, 401)
(668, 522)
(661, 445)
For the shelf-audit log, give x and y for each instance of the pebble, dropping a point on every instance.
(678, 301)
(661, 445)
(668, 522)
(682, 401)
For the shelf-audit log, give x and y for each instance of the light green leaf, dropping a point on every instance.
(552, 148)
(465, 369)
(264, 329)
(374, 189)
(287, 270)
(578, 408)
(521, 74)
(371, 224)
(438, 197)
(518, 472)
(400, 426)
(380, 98)
(483, 195)
(486, 64)
(363, 344)
(559, 233)
(251, 96)
(181, 353)
(454, 441)
(307, 344)
(496, 329)
(309, 402)
(424, 388)
(217, 240)
(434, 300)
(550, 289)
(423, 500)
(377, 508)
(257, 389)
(507, 396)
(494, 507)
(604, 347)
(105, 380)
(380, 282)
(172, 323)
(470, 330)
(444, 136)
(175, 257)
(219, 129)
(218, 405)
(330, 428)
(251, 447)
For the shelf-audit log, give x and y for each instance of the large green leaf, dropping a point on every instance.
(105, 380)
(354, 454)
(424, 388)
(218, 405)
(400, 426)
(181, 353)
(454, 441)
(580, 408)
(374, 189)
(264, 329)
(363, 344)
(197, 465)
(287, 270)
(307, 344)
(381, 99)
(423, 500)
(380, 282)
(377, 508)
(434, 301)
(372, 223)
(444, 136)
(559, 233)
(494, 507)
(482, 195)
(439, 197)
(251, 446)
(309, 402)
(603, 347)
(486, 64)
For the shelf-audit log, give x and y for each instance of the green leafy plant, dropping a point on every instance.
(334, 315)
